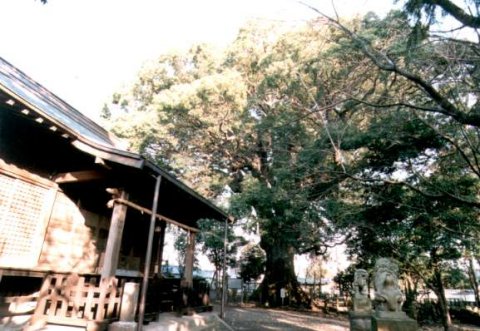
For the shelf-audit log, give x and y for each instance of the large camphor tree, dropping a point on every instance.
(254, 117)
(365, 130)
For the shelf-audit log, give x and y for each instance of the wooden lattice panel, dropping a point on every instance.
(22, 214)
(76, 300)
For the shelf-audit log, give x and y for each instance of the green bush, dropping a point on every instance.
(467, 315)
(428, 312)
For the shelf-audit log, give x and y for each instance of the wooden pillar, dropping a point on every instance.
(129, 301)
(148, 254)
(114, 241)
(224, 274)
(161, 243)
(189, 259)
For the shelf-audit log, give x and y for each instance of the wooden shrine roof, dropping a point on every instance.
(90, 138)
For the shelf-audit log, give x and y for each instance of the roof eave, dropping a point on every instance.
(182, 186)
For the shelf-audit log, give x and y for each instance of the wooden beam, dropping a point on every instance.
(15, 172)
(77, 176)
(149, 212)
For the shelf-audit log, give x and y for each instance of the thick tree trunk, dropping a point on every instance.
(280, 273)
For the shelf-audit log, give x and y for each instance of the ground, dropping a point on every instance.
(262, 319)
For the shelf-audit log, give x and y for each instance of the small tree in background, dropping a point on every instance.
(316, 271)
(211, 237)
(180, 245)
(252, 262)
(344, 280)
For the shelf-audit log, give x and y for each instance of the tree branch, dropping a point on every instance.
(458, 13)
(385, 63)
(443, 194)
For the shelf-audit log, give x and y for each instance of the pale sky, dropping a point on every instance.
(85, 50)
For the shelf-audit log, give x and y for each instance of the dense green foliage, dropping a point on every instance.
(364, 132)
(252, 262)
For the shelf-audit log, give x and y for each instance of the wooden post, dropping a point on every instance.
(224, 274)
(148, 255)
(128, 306)
(189, 259)
(114, 241)
(161, 243)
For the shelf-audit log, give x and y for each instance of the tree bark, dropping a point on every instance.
(320, 286)
(439, 290)
(280, 273)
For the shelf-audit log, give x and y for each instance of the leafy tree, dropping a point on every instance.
(252, 262)
(413, 194)
(212, 240)
(344, 280)
(456, 277)
(316, 271)
(324, 133)
(243, 118)
(180, 245)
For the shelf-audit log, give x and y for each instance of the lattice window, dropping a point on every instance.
(22, 215)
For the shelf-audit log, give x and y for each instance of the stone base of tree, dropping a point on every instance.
(393, 321)
(360, 320)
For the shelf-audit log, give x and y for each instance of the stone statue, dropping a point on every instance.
(388, 297)
(361, 301)
(388, 313)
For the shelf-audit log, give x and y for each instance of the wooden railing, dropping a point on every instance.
(70, 299)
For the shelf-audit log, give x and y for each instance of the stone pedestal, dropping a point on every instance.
(129, 302)
(122, 326)
(393, 321)
(360, 320)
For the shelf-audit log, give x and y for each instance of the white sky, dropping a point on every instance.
(85, 50)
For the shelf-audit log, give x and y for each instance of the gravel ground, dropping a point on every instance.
(260, 319)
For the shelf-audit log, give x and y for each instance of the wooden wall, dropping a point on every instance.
(42, 229)
(70, 244)
(26, 201)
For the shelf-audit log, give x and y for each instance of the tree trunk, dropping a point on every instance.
(280, 273)
(410, 295)
(320, 287)
(473, 281)
(217, 283)
(439, 290)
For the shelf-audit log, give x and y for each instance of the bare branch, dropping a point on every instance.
(385, 63)
(474, 168)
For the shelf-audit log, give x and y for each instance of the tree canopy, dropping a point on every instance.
(363, 132)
